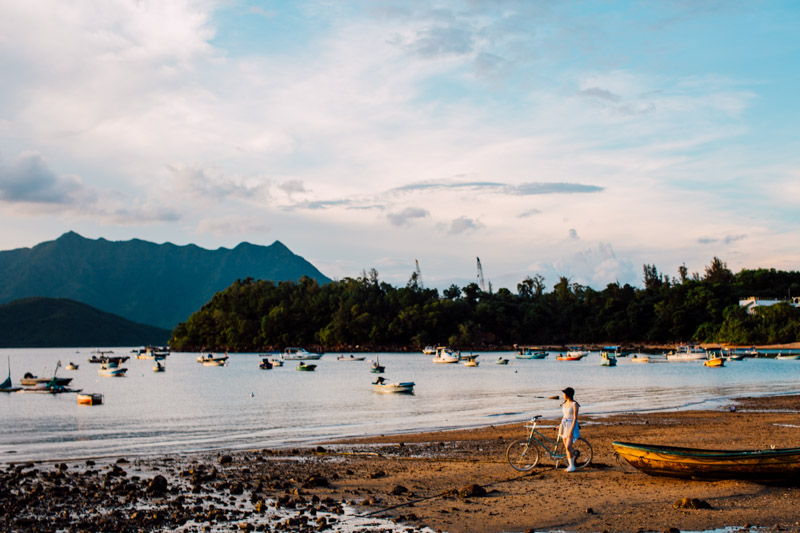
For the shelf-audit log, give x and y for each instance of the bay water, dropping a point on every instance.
(190, 407)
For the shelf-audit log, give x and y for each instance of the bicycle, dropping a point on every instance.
(523, 454)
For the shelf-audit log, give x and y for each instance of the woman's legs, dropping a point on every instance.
(568, 448)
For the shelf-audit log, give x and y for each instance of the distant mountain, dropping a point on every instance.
(148, 283)
(49, 323)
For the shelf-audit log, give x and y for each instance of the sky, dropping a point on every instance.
(572, 138)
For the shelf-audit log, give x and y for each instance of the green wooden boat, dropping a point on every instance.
(769, 465)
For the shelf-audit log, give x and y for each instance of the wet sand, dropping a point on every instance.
(454, 481)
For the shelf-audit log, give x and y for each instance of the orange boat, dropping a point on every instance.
(90, 399)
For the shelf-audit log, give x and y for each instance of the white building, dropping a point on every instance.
(754, 302)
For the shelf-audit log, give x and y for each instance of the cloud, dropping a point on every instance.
(728, 239)
(573, 234)
(462, 225)
(407, 215)
(523, 189)
(137, 215)
(291, 187)
(600, 94)
(214, 184)
(529, 213)
(231, 225)
(30, 180)
(441, 41)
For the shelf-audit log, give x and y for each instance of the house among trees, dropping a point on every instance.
(752, 303)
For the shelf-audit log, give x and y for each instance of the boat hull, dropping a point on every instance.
(90, 399)
(394, 388)
(754, 465)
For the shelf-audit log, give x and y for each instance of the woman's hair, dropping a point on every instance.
(569, 392)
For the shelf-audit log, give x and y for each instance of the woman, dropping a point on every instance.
(569, 429)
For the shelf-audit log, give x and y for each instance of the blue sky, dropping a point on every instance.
(571, 138)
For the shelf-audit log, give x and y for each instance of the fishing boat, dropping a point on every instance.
(608, 357)
(29, 380)
(158, 367)
(306, 368)
(153, 352)
(573, 354)
(47, 388)
(768, 465)
(714, 361)
(501, 361)
(212, 360)
(531, 353)
(687, 352)
(787, 356)
(299, 354)
(71, 366)
(384, 387)
(265, 364)
(351, 357)
(446, 355)
(471, 361)
(90, 399)
(376, 367)
(640, 358)
(7, 386)
(109, 371)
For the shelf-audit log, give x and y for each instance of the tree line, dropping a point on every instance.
(367, 314)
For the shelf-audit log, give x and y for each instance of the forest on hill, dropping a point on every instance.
(63, 323)
(367, 314)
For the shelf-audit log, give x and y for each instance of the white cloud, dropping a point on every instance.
(407, 215)
(464, 224)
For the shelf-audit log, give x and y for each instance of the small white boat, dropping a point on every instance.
(429, 350)
(212, 360)
(350, 358)
(471, 361)
(384, 387)
(640, 358)
(108, 371)
(687, 352)
(501, 361)
(446, 355)
(788, 356)
(71, 366)
(299, 354)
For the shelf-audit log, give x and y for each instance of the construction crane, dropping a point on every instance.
(418, 274)
(480, 275)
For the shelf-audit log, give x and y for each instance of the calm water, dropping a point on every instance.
(191, 407)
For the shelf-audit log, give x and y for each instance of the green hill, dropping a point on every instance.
(159, 284)
(50, 323)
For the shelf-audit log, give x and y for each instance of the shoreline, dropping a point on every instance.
(413, 479)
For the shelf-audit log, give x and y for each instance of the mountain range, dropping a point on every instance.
(145, 282)
(56, 322)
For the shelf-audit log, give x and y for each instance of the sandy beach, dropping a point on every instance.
(454, 481)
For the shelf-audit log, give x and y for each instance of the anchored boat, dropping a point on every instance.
(770, 465)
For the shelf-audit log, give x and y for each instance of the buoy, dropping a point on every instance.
(252, 394)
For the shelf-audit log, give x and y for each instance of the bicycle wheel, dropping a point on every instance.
(582, 452)
(522, 455)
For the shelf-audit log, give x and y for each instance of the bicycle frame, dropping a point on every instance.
(551, 451)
